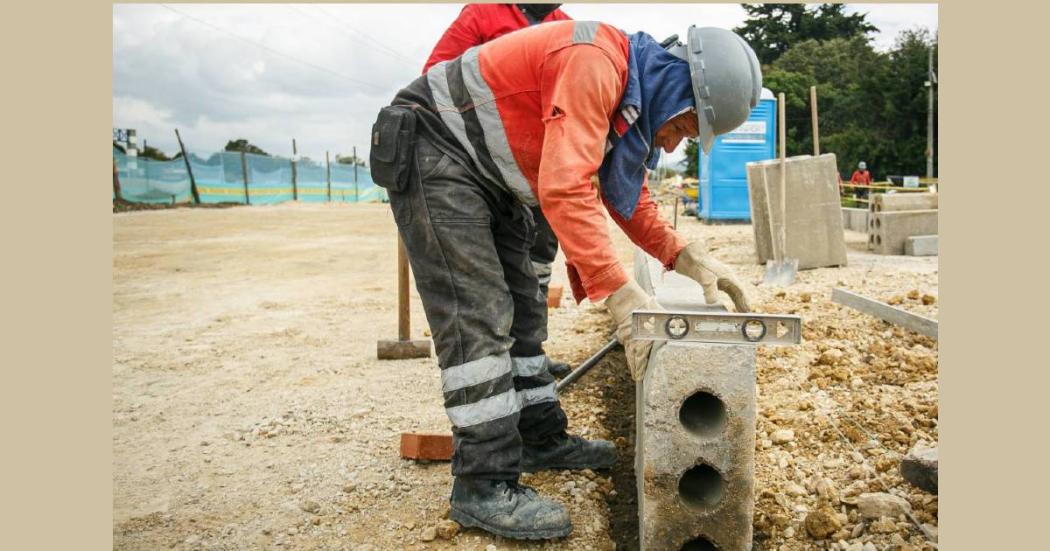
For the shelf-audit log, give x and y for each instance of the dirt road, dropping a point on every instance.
(249, 410)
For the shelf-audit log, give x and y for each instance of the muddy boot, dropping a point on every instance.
(567, 452)
(507, 509)
(558, 369)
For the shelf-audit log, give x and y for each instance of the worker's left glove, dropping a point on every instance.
(621, 305)
(712, 275)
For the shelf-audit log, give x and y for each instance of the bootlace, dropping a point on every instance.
(512, 488)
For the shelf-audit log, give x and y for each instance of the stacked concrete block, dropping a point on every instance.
(883, 202)
(695, 440)
(814, 230)
(921, 245)
(855, 219)
(888, 231)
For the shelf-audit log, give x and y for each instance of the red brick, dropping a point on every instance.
(554, 296)
(432, 447)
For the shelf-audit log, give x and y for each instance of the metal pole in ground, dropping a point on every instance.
(244, 172)
(189, 169)
(328, 175)
(295, 185)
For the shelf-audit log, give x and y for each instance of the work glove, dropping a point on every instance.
(621, 304)
(694, 262)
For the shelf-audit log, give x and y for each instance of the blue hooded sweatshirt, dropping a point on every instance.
(658, 89)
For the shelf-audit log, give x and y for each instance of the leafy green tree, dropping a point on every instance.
(692, 158)
(772, 29)
(155, 154)
(242, 144)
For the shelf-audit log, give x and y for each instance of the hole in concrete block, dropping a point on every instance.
(871, 238)
(699, 544)
(703, 414)
(878, 222)
(701, 487)
(878, 240)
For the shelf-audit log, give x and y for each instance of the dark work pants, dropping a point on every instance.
(469, 247)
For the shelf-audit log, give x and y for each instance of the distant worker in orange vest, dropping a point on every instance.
(476, 25)
(861, 176)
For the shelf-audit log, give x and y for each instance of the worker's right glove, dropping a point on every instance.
(621, 304)
(712, 275)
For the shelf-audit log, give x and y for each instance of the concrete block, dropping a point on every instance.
(855, 219)
(695, 439)
(695, 447)
(814, 230)
(921, 245)
(888, 231)
(887, 202)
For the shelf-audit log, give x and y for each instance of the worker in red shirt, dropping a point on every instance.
(476, 25)
(567, 116)
(861, 176)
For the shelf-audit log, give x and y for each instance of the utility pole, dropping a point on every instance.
(931, 79)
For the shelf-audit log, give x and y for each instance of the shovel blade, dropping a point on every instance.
(781, 273)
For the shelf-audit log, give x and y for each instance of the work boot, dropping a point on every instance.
(558, 369)
(563, 451)
(508, 509)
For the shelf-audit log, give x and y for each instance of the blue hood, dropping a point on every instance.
(658, 88)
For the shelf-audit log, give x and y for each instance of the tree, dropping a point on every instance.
(242, 144)
(692, 159)
(772, 29)
(155, 154)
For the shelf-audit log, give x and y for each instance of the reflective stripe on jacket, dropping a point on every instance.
(533, 110)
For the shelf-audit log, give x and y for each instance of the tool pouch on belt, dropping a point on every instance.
(393, 147)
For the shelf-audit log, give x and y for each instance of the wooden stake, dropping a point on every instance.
(295, 185)
(816, 125)
(189, 169)
(116, 180)
(328, 175)
(244, 171)
(404, 329)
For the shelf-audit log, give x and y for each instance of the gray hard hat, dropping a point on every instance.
(727, 79)
(862, 165)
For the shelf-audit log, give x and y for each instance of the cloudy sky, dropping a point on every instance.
(320, 72)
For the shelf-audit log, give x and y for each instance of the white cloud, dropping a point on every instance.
(214, 85)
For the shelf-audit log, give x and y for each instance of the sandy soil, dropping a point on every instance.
(249, 410)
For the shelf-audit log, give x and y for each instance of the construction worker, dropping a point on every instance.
(862, 177)
(568, 116)
(476, 25)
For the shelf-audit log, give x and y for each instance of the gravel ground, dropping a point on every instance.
(249, 410)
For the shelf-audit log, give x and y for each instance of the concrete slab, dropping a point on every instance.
(887, 202)
(888, 231)
(695, 437)
(921, 245)
(814, 230)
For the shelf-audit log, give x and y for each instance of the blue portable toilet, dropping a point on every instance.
(723, 191)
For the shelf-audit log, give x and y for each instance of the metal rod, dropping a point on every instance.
(295, 179)
(586, 366)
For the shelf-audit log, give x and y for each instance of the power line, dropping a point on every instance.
(362, 33)
(272, 51)
(385, 50)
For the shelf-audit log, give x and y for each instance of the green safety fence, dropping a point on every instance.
(221, 178)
